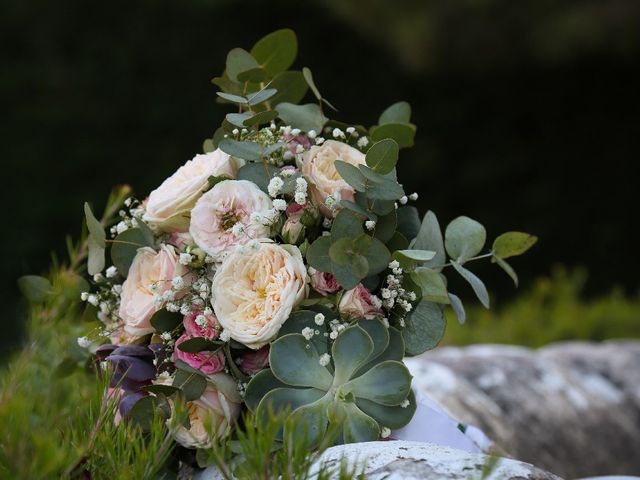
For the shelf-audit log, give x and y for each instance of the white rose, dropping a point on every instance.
(213, 415)
(150, 274)
(318, 166)
(227, 205)
(255, 291)
(168, 206)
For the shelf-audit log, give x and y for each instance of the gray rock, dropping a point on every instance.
(571, 408)
(401, 460)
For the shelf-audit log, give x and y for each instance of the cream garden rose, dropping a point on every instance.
(150, 274)
(318, 166)
(168, 206)
(214, 412)
(254, 291)
(226, 215)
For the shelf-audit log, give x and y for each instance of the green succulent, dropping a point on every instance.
(363, 388)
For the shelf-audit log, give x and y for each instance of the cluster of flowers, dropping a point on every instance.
(281, 268)
(234, 271)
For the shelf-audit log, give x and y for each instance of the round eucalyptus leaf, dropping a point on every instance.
(276, 51)
(399, 112)
(318, 254)
(351, 175)
(402, 133)
(305, 117)
(382, 156)
(511, 244)
(249, 151)
(432, 285)
(165, 321)
(34, 288)
(295, 361)
(464, 238)
(424, 328)
(258, 173)
(291, 87)
(238, 61)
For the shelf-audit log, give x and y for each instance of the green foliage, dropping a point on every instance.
(261, 452)
(358, 393)
(552, 310)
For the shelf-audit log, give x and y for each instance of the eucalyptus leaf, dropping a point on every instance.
(402, 133)
(507, 268)
(125, 247)
(432, 285)
(318, 254)
(458, 308)
(253, 75)
(430, 238)
(143, 411)
(305, 117)
(355, 208)
(464, 238)
(476, 284)
(261, 96)
(424, 329)
(165, 321)
(34, 288)
(276, 51)
(96, 230)
(408, 222)
(238, 61)
(237, 119)
(308, 76)
(249, 151)
(258, 173)
(399, 112)
(95, 258)
(511, 244)
(233, 98)
(260, 118)
(199, 344)
(346, 224)
(386, 227)
(351, 175)
(291, 87)
(192, 384)
(382, 156)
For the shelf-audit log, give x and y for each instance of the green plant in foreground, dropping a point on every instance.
(363, 390)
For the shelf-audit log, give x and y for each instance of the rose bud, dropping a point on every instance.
(293, 231)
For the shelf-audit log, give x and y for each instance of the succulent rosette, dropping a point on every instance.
(282, 269)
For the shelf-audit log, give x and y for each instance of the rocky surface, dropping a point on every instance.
(400, 460)
(571, 408)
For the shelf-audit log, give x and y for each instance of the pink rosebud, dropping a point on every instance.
(295, 140)
(324, 283)
(293, 231)
(198, 324)
(359, 303)
(254, 361)
(294, 210)
(207, 362)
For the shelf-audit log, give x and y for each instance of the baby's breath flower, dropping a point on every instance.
(280, 204)
(307, 333)
(363, 142)
(111, 272)
(385, 432)
(324, 359)
(185, 258)
(275, 184)
(319, 319)
(370, 224)
(403, 200)
(413, 196)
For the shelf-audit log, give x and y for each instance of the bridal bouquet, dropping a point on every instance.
(282, 269)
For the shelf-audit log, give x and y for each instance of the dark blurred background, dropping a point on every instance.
(528, 113)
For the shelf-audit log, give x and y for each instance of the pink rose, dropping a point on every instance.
(150, 274)
(359, 303)
(318, 166)
(222, 217)
(200, 325)
(217, 409)
(324, 283)
(207, 362)
(254, 361)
